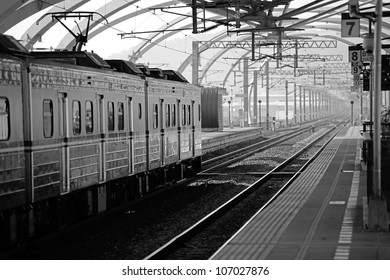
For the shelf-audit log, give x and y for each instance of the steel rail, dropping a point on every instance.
(277, 194)
(175, 242)
(257, 147)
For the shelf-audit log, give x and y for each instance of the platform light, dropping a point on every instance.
(368, 42)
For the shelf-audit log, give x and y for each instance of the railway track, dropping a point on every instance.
(143, 226)
(203, 238)
(215, 161)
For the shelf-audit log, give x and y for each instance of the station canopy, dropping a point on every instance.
(300, 39)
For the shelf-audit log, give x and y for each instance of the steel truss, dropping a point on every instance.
(285, 44)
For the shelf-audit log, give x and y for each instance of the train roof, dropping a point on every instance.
(158, 73)
(124, 66)
(10, 45)
(81, 58)
(174, 76)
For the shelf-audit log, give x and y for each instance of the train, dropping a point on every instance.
(80, 135)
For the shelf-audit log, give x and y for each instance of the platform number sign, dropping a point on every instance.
(355, 70)
(355, 55)
(350, 27)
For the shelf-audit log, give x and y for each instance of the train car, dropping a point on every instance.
(177, 144)
(80, 135)
(13, 191)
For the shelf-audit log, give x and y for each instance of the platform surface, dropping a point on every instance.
(319, 217)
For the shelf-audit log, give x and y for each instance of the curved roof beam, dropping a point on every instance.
(121, 19)
(35, 32)
(108, 10)
(9, 9)
(23, 11)
(143, 47)
(187, 61)
(139, 52)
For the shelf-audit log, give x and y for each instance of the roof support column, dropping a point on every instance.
(300, 104)
(245, 89)
(195, 62)
(267, 93)
(286, 105)
(304, 103)
(295, 104)
(377, 209)
(255, 74)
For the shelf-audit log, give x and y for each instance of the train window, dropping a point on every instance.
(189, 115)
(121, 116)
(155, 115)
(76, 117)
(139, 110)
(173, 115)
(167, 115)
(47, 118)
(88, 116)
(183, 115)
(4, 119)
(111, 118)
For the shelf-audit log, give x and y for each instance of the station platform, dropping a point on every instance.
(321, 216)
(212, 140)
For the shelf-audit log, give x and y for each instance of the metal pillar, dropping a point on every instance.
(300, 103)
(316, 95)
(286, 104)
(246, 86)
(259, 113)
(255, 73)
(267, 94)
(304, 104)
(195, 62)
(310, 105)
(295, 104)
(230, 114)
(377, 209)
(352, 123)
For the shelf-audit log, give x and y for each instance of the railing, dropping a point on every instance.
(368, 130)
(367, 134)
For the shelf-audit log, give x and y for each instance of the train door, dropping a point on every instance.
(102, 190)
(64, 134)
(131, 135)
(178, 118)
(192, 123)
(162, 131)
(101, 118)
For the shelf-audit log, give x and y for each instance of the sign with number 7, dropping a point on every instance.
(350, 27)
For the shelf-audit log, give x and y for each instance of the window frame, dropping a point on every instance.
(139, 111)
(89, 125)
(74, 128)
(155, 115)
(7, 114)
(189, 115)
(121, 116)
(45, 117)
(168, 115)
(110, 116)
(183, 115)
(173, 117)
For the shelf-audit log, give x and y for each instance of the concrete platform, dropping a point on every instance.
(319, 217)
